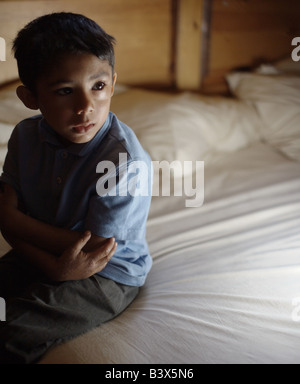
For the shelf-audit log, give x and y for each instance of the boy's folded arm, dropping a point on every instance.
(73, 264)
(80, 255)
(15, 224)
(38, 258)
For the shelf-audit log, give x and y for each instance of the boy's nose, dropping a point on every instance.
(84, 105)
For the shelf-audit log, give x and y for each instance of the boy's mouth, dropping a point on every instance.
(82, 128)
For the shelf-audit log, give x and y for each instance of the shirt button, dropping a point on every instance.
(59, 180)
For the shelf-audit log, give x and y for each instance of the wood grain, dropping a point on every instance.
(142, 30)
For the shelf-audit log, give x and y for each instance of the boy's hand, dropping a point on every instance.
(76, 264)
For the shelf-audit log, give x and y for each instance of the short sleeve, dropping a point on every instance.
(121, 205)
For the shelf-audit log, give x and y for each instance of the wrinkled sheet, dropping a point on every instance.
(225, 284)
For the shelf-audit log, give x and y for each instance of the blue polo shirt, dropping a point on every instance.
(103, 186)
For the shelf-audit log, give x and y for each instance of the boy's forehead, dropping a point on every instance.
(69, 66)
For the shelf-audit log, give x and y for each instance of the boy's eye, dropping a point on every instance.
(98, 86)
(64, 91)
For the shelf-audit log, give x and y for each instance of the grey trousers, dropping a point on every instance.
(41, 314)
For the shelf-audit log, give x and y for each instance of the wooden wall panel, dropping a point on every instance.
(244, 33)
(13, 16)
(159, 47)
(143, 30)
(189, 44)
(143, 33)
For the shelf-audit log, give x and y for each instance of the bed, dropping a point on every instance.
(225, 283)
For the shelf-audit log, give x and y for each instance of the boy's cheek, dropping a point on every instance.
(106, 94)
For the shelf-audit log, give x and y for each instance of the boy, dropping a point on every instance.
(66, 273)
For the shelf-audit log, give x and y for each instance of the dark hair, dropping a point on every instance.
(44, 40)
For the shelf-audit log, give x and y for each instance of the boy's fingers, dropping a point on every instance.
(110, 247)
(111, 252)
(80, 243)
(109, 255)
(106, 250)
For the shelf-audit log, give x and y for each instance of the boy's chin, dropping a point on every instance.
(81, 135)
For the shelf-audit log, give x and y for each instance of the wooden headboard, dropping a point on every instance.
(183, 44)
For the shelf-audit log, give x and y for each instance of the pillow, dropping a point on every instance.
(226, 124)
(165, 129)
(277, 100)
(3, 151)
(186, 127)
(288, 66)
(5, 132)
(282, 67)
(12, 110)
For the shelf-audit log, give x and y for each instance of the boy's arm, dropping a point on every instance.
(16, 225)
(73, 264)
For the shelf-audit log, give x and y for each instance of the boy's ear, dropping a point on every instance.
(27, 97)
(113, 83)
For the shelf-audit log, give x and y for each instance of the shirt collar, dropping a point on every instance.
(50, 136)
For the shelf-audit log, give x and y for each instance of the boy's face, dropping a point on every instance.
(75, 96)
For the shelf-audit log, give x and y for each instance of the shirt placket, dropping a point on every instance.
(60, 168)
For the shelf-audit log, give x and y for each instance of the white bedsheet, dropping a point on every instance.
(225, 284)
